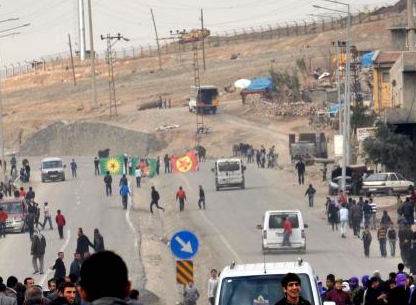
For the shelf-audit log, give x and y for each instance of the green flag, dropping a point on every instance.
(114, 165)
(134, 164)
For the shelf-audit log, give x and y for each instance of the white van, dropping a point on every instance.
(261, 283)
(273, 227)
(52, 169)
(229, 173)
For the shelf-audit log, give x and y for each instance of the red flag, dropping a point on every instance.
(184, 164)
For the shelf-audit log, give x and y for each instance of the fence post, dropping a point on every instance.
(44, 64)
(141, 51)
(323, 25)
(12, 69)
(235, 36)
(332, 23)
(270, 31)
(287, 29)
(5, 68)
(133, 52)
(150, 50)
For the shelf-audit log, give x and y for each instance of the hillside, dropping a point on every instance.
(35, 101)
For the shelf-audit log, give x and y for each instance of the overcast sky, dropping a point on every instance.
(52, 20)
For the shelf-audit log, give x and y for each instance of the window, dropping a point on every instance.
(52, 164)
(377, 177)
(401, 178)
(229, 166)
(12, 207)
(277, 222)
(393, 177)
(385, 77)
(263, 289)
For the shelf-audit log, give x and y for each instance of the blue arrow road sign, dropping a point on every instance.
(184, 244)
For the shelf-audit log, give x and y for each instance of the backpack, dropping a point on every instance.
(391, 234)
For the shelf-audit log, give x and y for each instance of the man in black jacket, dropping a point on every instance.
(108, 180)
(201, 201)
(83, 243)
(155, 200)
(291, 287)
(59, 267)
(98, 241)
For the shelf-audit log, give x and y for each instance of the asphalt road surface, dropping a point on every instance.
(84, 204)
(228, 225)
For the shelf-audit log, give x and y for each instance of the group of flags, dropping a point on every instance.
(116, 165)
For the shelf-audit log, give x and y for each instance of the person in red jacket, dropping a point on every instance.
(337, 295)
(287, 232)
(181, 197)
(3, 218)
(60, 222)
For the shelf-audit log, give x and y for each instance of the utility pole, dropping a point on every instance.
(72, 60)
(81, 20)
(347, 107)
(337, 52)
(157, 41)
(92, 57)
(410, 26)
(203, 39)
(110, 68)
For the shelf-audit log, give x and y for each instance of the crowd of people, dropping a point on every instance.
(261, 156)
(86, 283)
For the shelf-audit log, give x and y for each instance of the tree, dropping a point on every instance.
(360, 117)
(393, 150)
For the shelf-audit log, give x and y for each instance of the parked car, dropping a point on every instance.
(16, 209)
(335, 185)
(388, 183)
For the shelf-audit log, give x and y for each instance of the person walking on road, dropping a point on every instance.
(155, 200)
(300, 167)
(212, 286)
(405, 242)
(408, 210)
(83, 243)
(96, 166)
(373, 206)
(311, 193)
(98, 241)
(201, 200)
(30, 220)
(343, 217)
(181, 197)
(355, 216)
(124, 192)
(30, 195)
(37, 250)
(385, 219)
(60, 222)
(392, 237)
(108, 180)
(123, 180)
(13, 168)
(287, 232)
(366, 238)
(74, 167)
(382, 239)
(59, 267)
(138, 174)
(47, 216)
(190, 294)
(76, 264)
(367, 211)
(157, 165)
(333, 215)
(166, 161)
(3, 218)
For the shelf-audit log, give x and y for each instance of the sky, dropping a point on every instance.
(52, 20)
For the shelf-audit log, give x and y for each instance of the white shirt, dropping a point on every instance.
(46, 211)
(138, 173)
(212, 287)
(343, 214)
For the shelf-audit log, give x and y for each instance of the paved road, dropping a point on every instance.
(84, 204)
(229, 223)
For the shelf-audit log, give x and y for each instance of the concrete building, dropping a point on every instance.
(382, 63)
(403, 90)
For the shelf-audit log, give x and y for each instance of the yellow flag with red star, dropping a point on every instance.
(114, 165)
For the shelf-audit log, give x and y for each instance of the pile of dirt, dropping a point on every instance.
(86, 138)
(266, 108)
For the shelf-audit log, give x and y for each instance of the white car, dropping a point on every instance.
(261, 283)
(229, 173)
(52, 169)
(388, 183)
(273, 231)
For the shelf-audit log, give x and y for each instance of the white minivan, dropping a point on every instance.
(273, 231)
(229, 173)
(260, 284)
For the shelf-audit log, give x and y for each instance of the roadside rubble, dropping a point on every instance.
(165, 127)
